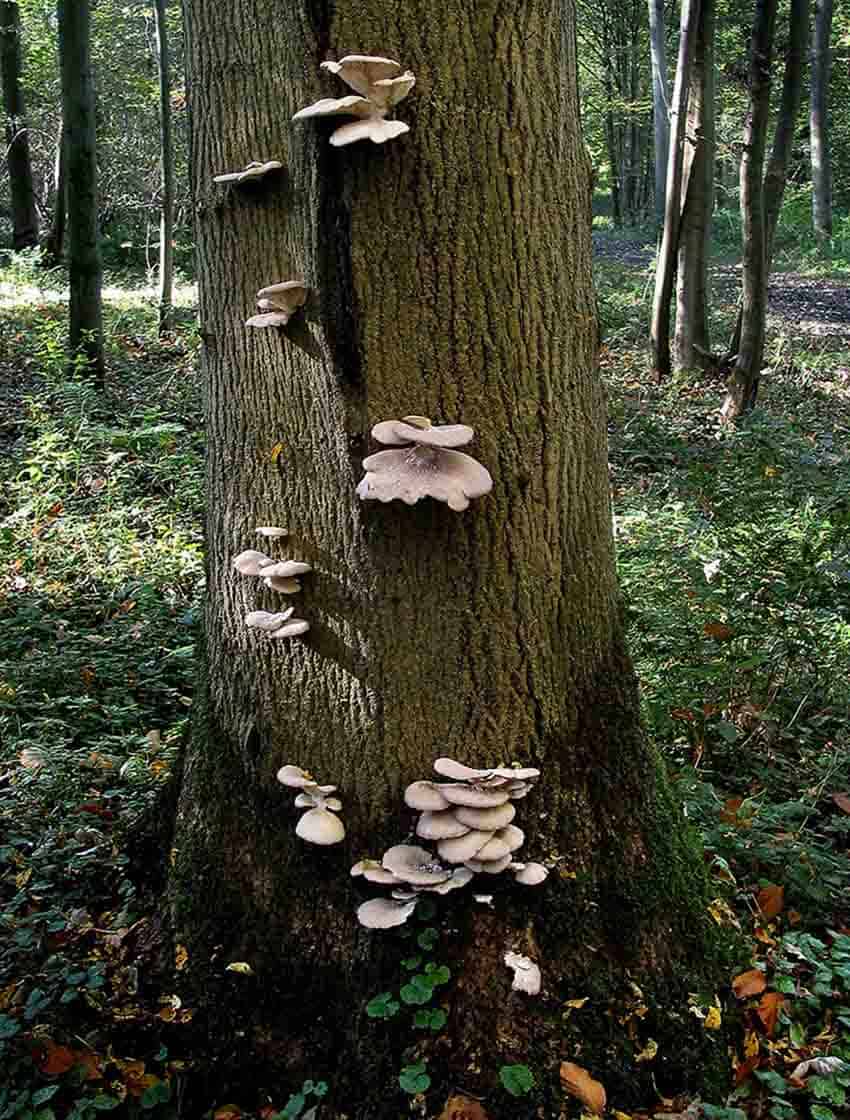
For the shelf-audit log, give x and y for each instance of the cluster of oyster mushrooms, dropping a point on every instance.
(470, 820)
(426, 464)
(379, 85)
(320, 824)
(277, 575)
(277, 303)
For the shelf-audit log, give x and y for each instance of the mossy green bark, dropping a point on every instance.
(450, 276)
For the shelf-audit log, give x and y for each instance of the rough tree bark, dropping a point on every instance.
(78, 114)
(24, 211)
(665, 272)
(819, 123)
(450, 275)
(743, 383)
(55, 243)
(692, 344)
(776, 175)
(166, 226)
(660, 100)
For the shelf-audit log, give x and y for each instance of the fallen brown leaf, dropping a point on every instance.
(718, 630)
(459, 1107)
(770, 900)
(578, 1083)
(770, 1005)
(750, 983)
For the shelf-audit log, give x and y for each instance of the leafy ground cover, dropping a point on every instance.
(734, 553)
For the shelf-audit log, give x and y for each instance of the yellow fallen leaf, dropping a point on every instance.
(648, 1053)
(181, 956)
(241, 967)
(275, 452)
(751, 1044)
(713, 1018)
(575, 1004)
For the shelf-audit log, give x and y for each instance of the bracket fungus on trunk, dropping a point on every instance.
(249, 173)
(319, 825)
(426, 464)
(469, 820)
(527, 976)
(379, 86)
(279, 575)
(278, 303)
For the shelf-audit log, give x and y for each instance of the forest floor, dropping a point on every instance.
(734, 553)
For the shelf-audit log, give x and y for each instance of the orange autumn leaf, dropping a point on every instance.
(750, 983)
(227, 1112)
(770, 900)
(744, 1069)
(57, 1059)
(770, 1005)
(578, 1083)
(718, 630)
(459, 1107)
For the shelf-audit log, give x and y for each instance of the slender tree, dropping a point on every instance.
(660, 104)
(449, 273)
(78, 114)
(692, 344)
(24, 211)
(665, 273)
(743, 383)
(166, 228)
(55, 243)
(819, 123)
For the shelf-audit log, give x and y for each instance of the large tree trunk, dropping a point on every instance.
(450, 275)
(692, 342)
(743, 383)
(660, 117)
(818, 123)
(166, 226)
(78, 113)
(776, 176)
(24, 212)
(666, 268)
(55, 242)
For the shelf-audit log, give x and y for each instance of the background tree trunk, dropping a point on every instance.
(166, 227)
(24, 212)
(666, 268)
(55, 243)
(743, 383)
(660, 118)
(819, 123)
(692, 344)
(450, 275)
(78, 113)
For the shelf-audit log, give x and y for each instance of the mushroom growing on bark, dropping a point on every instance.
(318, 825)
(379, 85)
(279, 575)
(526, 973)
(278, 303)
(252, 171)
(426, 466)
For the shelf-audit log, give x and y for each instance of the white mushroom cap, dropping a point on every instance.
(494, 849)
(290, 293)
(373, 128)
(518, 790)
(473, 796)
(405, 894)
(262, 620)
(291, 629)
(494, 816)
(250, 562)
(439, 826)
(296, 777)
(426, 796)
(529, 774)
(491, 866)
(253, 170)
(383, 913)
(512, 836)
(271, 531)
(285, 569)
(526, 973)
(415, 865)
(361, 71)
(456, 770)
(351, 106)
(419, 472)
(397, 432)
(389, 91)
(283, 586)
(531, 874)
(278, 302)
(459, 878)
(462, 848)
(318, 826)
(269, 319)
(381, 875)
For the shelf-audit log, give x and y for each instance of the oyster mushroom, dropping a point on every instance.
(526, 973)
(278, 303)
(295, 777)
(415, 866)
(474, 796)
(462, 848)
(384, 913)
(490, 866)
(263, 620)
(530, 874)
(271, 531)
(320, 826)
(250, 562)
(291, 629)
(489, 818)
(458, 878)
(425, 796)
(284, 569)
(252, 171)
(440, 826)
(426, 467)
(379, 87)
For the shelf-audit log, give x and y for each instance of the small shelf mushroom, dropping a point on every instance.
(278, 303)
(250, 173)
(319, 825)
(279, 575)
(380, 86)
(526, 973)
(426, 466)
